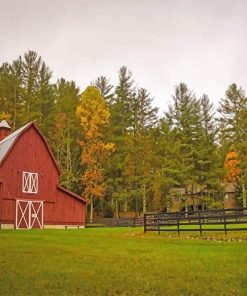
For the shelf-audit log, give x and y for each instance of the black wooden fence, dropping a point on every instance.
(116, 222)
(210, 220)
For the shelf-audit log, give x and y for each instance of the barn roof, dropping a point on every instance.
(7, 143)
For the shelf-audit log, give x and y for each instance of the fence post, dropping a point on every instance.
(178, 225)
(158, 220)
(145, 223)
(224, 213)
(200, 223)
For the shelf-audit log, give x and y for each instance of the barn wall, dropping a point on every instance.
(69, 210)
(8, 211)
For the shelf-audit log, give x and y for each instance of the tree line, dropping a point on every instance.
(110, 142)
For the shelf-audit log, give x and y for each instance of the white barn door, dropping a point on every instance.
(29, 214)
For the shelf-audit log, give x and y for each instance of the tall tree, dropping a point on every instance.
(138, 157)
(119, 127)
(233, 126)
(105, 88)
(64, 132)
(26, 90)
(94, 117)
(191, 120)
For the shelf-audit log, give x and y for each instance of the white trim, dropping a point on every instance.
(30, 182)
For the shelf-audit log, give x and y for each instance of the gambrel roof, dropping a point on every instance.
(7, 143)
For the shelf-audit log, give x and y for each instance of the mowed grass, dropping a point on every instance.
(121, 261)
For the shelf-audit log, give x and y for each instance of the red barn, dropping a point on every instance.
(30, 195)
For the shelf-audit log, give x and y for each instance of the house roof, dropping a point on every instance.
(72, 194)
(7, 143)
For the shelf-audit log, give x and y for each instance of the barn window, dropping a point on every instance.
(29, 182)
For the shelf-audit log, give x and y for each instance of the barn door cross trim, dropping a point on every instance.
(35, 215)
(29, 214)
(23, 212)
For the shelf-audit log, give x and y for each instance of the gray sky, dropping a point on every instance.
(200, 42)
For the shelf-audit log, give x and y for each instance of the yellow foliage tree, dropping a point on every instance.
(94, 116)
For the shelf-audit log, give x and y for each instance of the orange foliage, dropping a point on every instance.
(231, 166)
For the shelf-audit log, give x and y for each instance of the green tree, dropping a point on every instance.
(105, 88)
(64, 133)
(119, 127)
(233, 129)
(191, 121)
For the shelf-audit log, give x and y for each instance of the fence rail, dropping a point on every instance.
(197, 221)
(116, 222)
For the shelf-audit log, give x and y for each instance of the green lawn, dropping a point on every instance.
(121, 261)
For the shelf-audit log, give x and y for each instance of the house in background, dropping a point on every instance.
(190, 200)
(30, 195)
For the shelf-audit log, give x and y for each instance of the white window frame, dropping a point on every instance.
(30, 182)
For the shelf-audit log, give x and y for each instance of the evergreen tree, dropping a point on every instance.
(119, 127)
(26, 90)
(64, 133)
(105, 88)
(138, 160)
(191, 121)
(233, 127)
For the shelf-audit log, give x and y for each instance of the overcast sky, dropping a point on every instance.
(200, 42)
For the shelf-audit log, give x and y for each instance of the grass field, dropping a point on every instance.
(121, 261)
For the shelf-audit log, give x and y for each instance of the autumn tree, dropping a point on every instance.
(94, 118)
(231, 165)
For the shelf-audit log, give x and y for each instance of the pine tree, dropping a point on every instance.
(64, 133)
(119, 127)
(26, 90)
(233, 126)
(190, 120)
(143, 118)
(105, 88)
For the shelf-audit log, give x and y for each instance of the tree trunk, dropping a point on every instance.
(244, 196)
(144, 199)
(125, 206)
(91, 210)
(116, 207)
